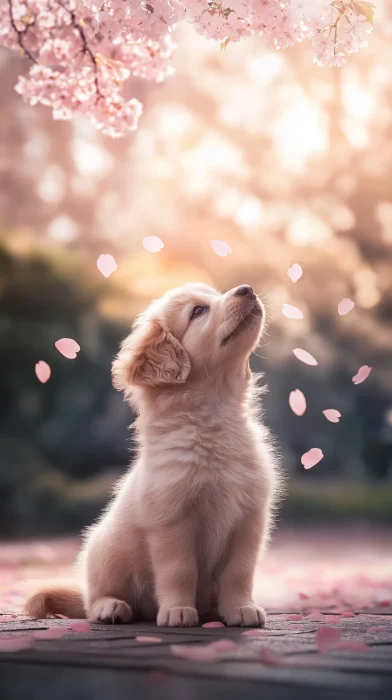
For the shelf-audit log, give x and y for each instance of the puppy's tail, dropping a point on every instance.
(55, 600)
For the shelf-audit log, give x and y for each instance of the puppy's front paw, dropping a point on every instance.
(110, 610)
(246, 616)
(177, 617)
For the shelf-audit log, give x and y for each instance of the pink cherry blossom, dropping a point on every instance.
(305, 356)
(295, 272)
(106, 264)
(213, 624)
(291, 311)
(221, 248)
(152, 243)
(332, 415)
(344, 306)
(68, 347)
(362, 374)
(43, 371)
(81, 53)
(297, 402)
(311, 458)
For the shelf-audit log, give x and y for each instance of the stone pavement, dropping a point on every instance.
(110, 662)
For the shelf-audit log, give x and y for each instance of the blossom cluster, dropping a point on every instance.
(82, 51)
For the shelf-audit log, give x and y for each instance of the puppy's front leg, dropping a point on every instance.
(175, 574)
(235, 583)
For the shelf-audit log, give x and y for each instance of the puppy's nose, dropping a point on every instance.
(245, 290)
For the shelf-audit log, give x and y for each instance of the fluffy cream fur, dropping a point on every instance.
(187, 522)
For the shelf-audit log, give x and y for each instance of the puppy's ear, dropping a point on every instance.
(151, 357)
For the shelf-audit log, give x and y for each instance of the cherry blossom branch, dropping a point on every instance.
(86, 49)
(20, 33)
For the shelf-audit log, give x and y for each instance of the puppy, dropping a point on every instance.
(189, 519)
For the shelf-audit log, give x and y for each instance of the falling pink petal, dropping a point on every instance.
(80, 627)
(362, 374)
(106, 264)
(305, 356)
(297, 402)
(195, 652)
(303, 596)
(68, 347)
(351, 645)
(152, 244)
(213, 624)
(344, 306)
(221, 248)
(377, 628)
(291, 311)
(43, 371)
(295, 272)
(17, 643)
(327, 638)
(154, 640)
(270, 658)
(51, 633)
(255, 633)
(311, 458)
(294, 618)
(224, 645)
(332, 415)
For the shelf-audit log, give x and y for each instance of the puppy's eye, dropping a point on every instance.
(198, 311)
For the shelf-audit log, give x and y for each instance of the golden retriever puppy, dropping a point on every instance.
(189, 519)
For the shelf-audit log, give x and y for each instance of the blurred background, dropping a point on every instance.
(286, 162)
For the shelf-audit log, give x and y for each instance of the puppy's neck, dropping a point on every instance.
(232, 392)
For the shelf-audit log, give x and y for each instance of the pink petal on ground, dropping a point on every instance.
(17, 643)
(305, 357)
(270, 658)
(51, 633)
(295, 272)
(68, 347)
(43, 371)
(213, 624)
(294, 618)
(224, 645)
(377, 628)
(255, 633)
(344, 306)
(315, 617)
(153, 244)
(347, 613)
(297, 402)
(352, 645)
(385, 603)
(311, 458)
(291, 312)
(362, 374)
(303, 596)
(106, 264)
(195, 652)
(80, 627)
(146, 639)
(221, 248)
(332, 415)
(327, 638)
(61, 617)
(332, 619)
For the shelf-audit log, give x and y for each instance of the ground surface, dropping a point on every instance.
(329, 630)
